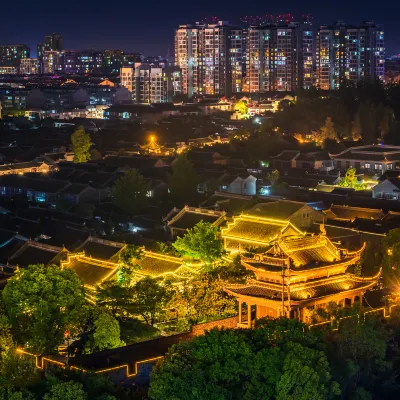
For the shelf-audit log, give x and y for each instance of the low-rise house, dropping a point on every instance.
(47, 190)
(348, 213)
(179, 221)
(25, 167)
(243, 185)
(287, 159)
(371, 158)
(388, 189)
(37, 253)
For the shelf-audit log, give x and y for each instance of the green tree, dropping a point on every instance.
(273, 177)
(81, 145)
(67, 391)
(202, 242)
(350, 180)
(166, 248)
(202, 298)
(105, 334)
(130, 192)
(128, 263)
(366, 115)
(9, 394)
(42, 303)
(306, 375)
(182, 183)
(229, 364)
(356, 129)
(114, 296)
(149, 298)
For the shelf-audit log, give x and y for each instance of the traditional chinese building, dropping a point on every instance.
(296, 274)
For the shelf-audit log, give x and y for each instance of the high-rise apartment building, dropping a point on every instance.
(29, 66)
(210, 57)
(83, 62)
(52, 42)
(352, 53)
(279, 57)
(52, 62)
(151, 84)
(11, 55)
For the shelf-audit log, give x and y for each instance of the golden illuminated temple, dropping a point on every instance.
(295, 272)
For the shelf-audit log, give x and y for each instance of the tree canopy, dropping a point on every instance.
(130, 192)
(81, 145)
(350, 180)
(202, 242)
(230, 364)
(42, 303)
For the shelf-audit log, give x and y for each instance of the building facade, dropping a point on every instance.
(11, 55)
(52, 62)
(349, 53)
(29, 66)
(279, 57)
(210, 57)
(152, 84)
(52, 42)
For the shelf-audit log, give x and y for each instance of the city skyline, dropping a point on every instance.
(88, 27)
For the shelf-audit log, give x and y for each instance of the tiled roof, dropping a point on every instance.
(99, 248)
(37, 253)
(286, 155)
(153, 264)
(187, 218)
(90, 271)
(254, 229)
(351, 213)
(282, 210)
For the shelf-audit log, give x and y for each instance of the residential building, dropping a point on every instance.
(319, 160)
(11, 55)
(52, 62)
(388, 189)
(211, 58)
(279, 57)
(83, 62)
(351, 53)
(52, 42)
(152, 84)
(8, 70)
(29, 66)
(372, 158)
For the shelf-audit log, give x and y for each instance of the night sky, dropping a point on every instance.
(148, 26)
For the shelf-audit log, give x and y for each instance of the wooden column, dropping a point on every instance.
(240, 311)
(248, 315)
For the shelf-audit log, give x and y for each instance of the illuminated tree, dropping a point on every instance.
(350, 180)
(130, 192)
(273, 177)
(241, 107)
(105, 334)
(149, 299)
(81, 145)
(128, 263)
(41, 303)
(202, 242)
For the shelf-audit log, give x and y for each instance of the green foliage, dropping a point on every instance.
(95, 155)
(42, 303)
(166, 248)
(114, 296)
(81, 145)
(202, 242)
(106, 334)
(327, 132)
(232, 272)
(128, 263)
(391, 254)
(230, 364)
(182, 183)
(9, 394)
(241, 107)
(273, 177)
(149, 298)
(350, 180)
(129, 192)
(201, 299)
(66, 391)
